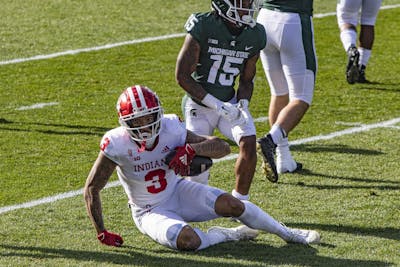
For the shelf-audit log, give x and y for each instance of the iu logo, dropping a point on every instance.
(104, 144)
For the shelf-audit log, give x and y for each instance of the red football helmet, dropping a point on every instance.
(133, 105)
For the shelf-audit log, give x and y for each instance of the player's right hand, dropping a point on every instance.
(183, 156)
(110, 239)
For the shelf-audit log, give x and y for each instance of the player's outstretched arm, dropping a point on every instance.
(95, 182)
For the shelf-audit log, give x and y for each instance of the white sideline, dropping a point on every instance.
(136, 41)
(352, 130)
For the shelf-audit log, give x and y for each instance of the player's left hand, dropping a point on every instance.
(180, 163)
(243, 115)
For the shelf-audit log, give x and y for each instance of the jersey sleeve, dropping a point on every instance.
(176, 126)
(194, 26)
(262, 36)
(108, 148)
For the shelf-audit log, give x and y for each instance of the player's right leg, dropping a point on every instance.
(202, 121)
(347, 18)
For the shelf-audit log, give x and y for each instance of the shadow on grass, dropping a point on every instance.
(76, 129)
(307, 172)
(335, 148)
(221, 255)
(386, 232)
(384, 87)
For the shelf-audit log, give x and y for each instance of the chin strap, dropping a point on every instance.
(142, 147)
(146, 144)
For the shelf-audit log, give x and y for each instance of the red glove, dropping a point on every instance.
(110, 239)
(180, 163)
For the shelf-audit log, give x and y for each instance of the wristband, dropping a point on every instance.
(211, 102)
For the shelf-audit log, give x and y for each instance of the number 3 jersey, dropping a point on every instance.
(223, 55)
(145, 177)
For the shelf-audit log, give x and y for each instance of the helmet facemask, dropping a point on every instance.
(142, 116)
(236, 11)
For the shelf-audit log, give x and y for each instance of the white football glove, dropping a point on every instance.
(243, 116)
(225, 109)
(229, 111)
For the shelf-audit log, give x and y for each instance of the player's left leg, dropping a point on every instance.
(369, 14)
(255, 218)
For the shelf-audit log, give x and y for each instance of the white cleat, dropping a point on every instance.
(302, 236)
(287, 164)
(241, 232)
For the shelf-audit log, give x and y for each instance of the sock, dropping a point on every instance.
(282, 149)
(209, 239)
(284, 159)
(365, 54)
(256, 218)
(283, 145)
(277, 133)
(239, 196)
(348, 38)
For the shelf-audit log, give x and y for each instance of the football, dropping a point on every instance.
(199, 163)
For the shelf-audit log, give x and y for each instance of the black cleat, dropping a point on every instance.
(266, 147)
(352, 69)
(361, 76)
(299, 168)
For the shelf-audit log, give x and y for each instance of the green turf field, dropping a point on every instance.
(349, 141)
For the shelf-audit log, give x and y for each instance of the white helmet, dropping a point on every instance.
(229, 10)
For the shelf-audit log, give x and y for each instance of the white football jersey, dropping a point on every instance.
(145, 177)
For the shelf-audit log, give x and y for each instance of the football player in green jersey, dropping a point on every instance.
(221, 46)
(349, 14)
(290, 64)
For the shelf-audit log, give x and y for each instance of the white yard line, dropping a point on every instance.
(136, 41)
(90, 49)
(37, 105)
(362, 128)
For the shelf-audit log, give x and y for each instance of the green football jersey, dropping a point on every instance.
(223, 55)
(295, 6)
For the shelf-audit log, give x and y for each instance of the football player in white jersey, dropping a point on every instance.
(348, 17)
(161, 202)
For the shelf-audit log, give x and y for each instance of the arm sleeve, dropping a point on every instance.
(177, 127)
(108, 148)
(194, 26)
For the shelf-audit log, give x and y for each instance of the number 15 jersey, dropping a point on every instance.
(223, 55)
